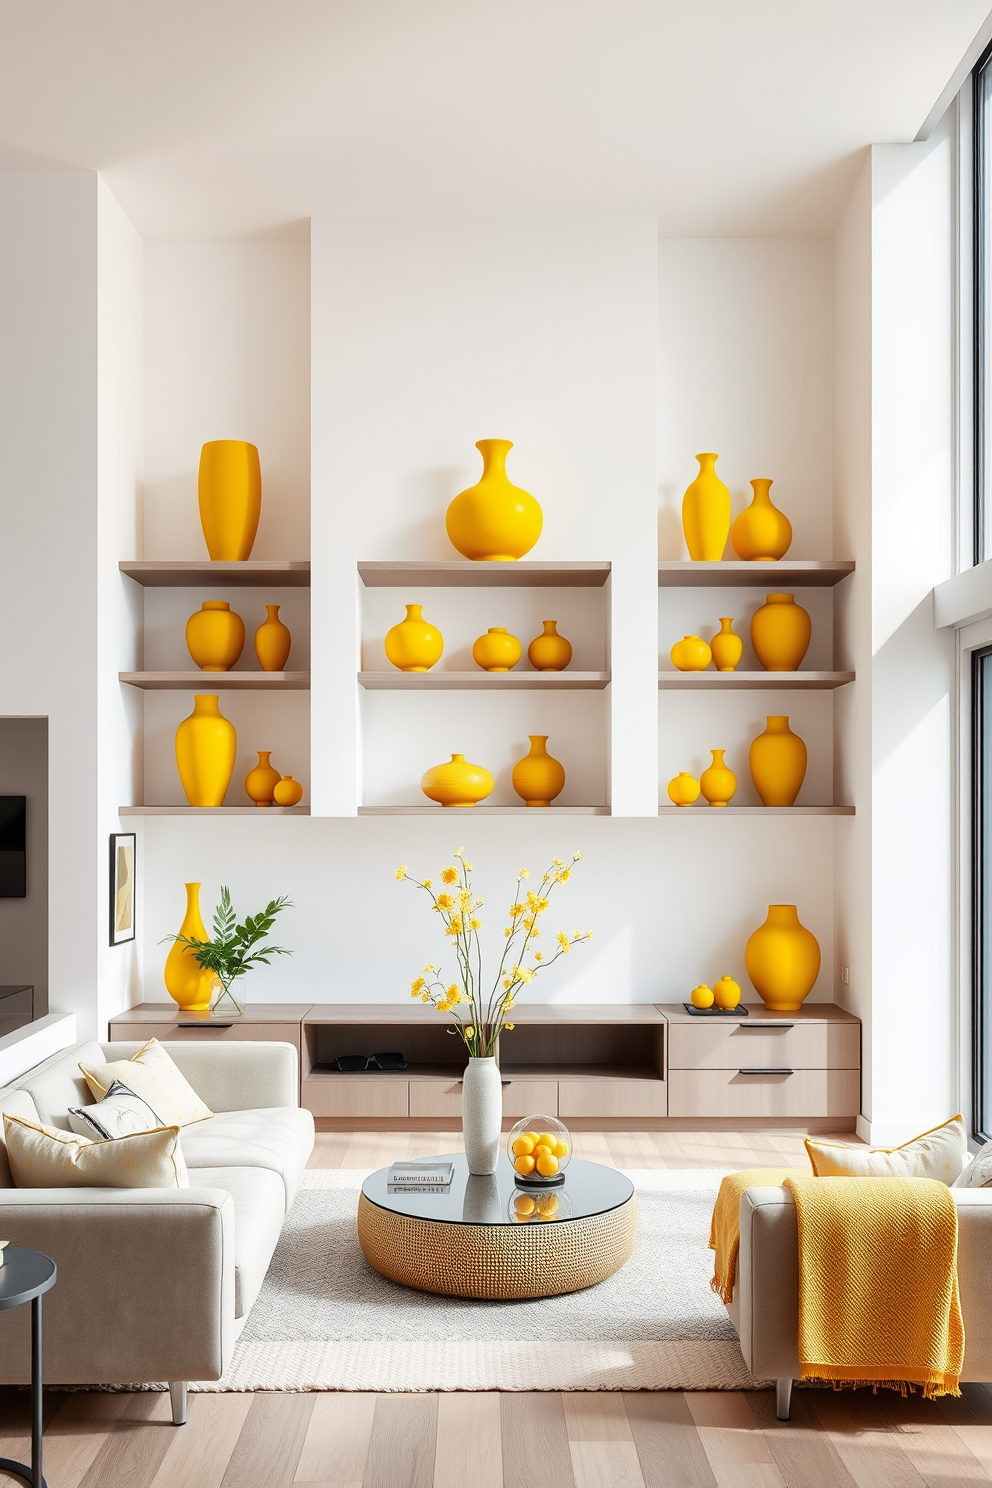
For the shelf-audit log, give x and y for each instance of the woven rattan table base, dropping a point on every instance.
(467, 1260)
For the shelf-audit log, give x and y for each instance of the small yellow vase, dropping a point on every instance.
(761, 533)
(497, 650)
(206, 745)
(414, 645)
(683, 790)
(701, 996)
(230, 497)
(273, 641)
(778, 762)
(706, 513)
(494, 521)
(261, 781)
(782, 959)
(726, 645)
(288, 792)
(549, 652)
(457, 783)
(538, 777)
(186, 982)
(691, 654)
(215, 636)
(726, 993)
(780, 632)
(718, 782)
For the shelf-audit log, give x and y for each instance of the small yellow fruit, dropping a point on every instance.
(524, 1205)
(547, 1140)
(523, 1146)
(524, 1164)
(531, 1137)
(547, 1203)
(702, 997)
(726, 993)
(561, 1149)
(547, 1165)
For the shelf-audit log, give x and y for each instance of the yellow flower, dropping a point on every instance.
(401, 873)
(470, 1031)
(558, 862)
(577, 857)
(563, 941)
(465, 899)
(430, 967)
(466, 866)
(449, 875)
(516, 910)
(507, 933)
(506, 981)
(509, 1002)
(455, 927)
(414, 992)
(523, 974)
(524, 873)
(475, 924)
(454, 993)
(445, 901)
(417, 986)
(425, 997)
(562, 875)
(509, 1027)
(538, 955)
(428, 883)
(443, 1007)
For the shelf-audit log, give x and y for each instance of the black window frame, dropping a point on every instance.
(981, 156)
(981, 885)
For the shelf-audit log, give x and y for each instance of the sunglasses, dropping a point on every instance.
(349, 1063)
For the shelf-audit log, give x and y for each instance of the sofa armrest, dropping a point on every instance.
(766, 1290)
(231, 1077)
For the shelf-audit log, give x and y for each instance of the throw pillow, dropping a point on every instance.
(978, 1173)
(152, 1075)
(120, 1113)
(44, 1157)
(940, 1153)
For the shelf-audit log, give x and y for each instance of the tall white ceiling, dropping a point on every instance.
(234, 118)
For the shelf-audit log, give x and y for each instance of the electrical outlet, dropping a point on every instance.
(845, 975)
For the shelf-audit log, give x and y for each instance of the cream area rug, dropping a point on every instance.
(324, 1320)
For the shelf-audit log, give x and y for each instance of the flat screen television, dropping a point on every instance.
(13, 847)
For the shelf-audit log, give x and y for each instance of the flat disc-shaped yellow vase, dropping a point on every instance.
(185, 980)
(782, 959)
(458, 783)
(494, 521)
(215, 636)
(777, 759)
(761, 533)
(206, 745)
(706, 513)
(229, 489)
(538, 777)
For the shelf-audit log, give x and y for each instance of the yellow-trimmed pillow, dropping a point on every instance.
(44, 1157)
(153, 1076)
(940, 1153)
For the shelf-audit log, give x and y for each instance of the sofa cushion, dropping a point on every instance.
(13, 1103)
(117, 1115)
(58, 1084)
(940, 1153)
(258, 1215)
(279, 1139)
(152, 1074)
(45, 1157)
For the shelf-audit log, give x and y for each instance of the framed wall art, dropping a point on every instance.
(121, 887)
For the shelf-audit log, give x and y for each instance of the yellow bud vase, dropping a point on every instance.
(691, 654)
(288, 792)
(215, 636)
(273, 641)
(761, 533)
(726, 993)
(206, 745)
(780, 632)
(497, 650)
(726, 645)
(229, 488)
(262, 780)
(706, 513)
(782, 959)
(186, 981)
(538, 777)
(457, 783)
(549, 652)
(494, 521)
(414, 645)
(778, 762)
(718, 782)
(683, 790)
(701, 996)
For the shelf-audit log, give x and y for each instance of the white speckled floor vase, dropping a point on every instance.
(482, 1115)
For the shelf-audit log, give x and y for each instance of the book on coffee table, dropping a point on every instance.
(419, 1177)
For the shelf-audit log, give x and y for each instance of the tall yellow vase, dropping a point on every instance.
(761, 533)
(273, 641)
(538, 777)
(185, 980)
(494, 520)
(706, 513)
(778, 762)
(782, 959)
(215, 636)
(229, 488)
(718, 781)
(780, 632)
(206, 744)
(414, 644)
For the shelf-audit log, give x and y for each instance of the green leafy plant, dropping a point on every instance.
(231, 953)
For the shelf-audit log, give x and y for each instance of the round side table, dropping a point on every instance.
(25, 1276)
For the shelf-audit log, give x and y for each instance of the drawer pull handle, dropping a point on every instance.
(761, 1027)
(504, 1083)
(766, 1072)
(205, 1025)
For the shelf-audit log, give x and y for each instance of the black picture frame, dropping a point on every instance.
(122, 883)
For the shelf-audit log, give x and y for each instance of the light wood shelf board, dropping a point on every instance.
(464, 574)
(795, 681)
(323, 1013)
(480, 681)
(569, 1013)
(485, 810)
(323, 1073)
(213, 811)
(756, 810)
(218, 681)
(253, 573)
(591, 1072)
(800, 573)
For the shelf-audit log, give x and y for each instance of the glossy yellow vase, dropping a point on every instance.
(229, 488)
(549, 652)
(458, 783)
(761, 533)
(778, 762)
(726, 993)
(494, 521)
(706, 513)
(780, 632)
(206, 745)
(538, 777)
(414, 645)
(186, 982)
(726, 645)
(691, 654)
(782, 959)
(261, 781)
(215, 636)
(701, 996)
(718, 782)
(273, 641)
(497, 650)
(683, 790)
(287, 792)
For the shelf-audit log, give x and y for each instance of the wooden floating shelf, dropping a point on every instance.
(464, 574)
(481, 681)
(457, 811)
(213, 811)
(253, 573)
(694, 681)
(218, 681)
(803, 573)
(705, 810)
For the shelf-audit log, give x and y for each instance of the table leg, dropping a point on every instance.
(33, 1475)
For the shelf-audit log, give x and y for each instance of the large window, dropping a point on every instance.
(982, 217)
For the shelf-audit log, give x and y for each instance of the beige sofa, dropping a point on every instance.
(155, 1284)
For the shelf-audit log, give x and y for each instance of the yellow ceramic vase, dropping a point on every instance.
(538, 777)
(414, 645)
(701, 996)
(549, 652)
(262, 780)
(691, 654)
(782, 959)
(206, 745)
(186, 982)
(726, 646)
(683, 790)
(457, 783)
(706, 513)
(230, 496)
(778, 762)
(497, 650)
(215, 636)
(494, 521)
(780, 632)
(726, 993)
(273, 641)
(761, 533)
(718, 782)
(288, 792)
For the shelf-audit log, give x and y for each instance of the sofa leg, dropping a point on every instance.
(180, 1401)
(783, 1398)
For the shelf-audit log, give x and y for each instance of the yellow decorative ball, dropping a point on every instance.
(726, 993)
(524, 1164)
(547, 1164)
(523, 1146)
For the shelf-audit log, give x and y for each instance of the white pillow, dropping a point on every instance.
(120, 1113)
(978, 1173)
(44, 1157)
(153, 1075)
(940, 1153)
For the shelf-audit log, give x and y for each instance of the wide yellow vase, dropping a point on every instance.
(778, 762)
(782, 959)
(780, 632)
(691, 654)
(718, 781)
(494, 521)
(215, 636)
(497, 650)
(458, 783)
(761, 533)
(683, 790)
(273, 641)
(538, 777)
(726, 993)
(229, 488)
(185, 980)
(414, 645)
(288, 792)
(206, 745)
(706, 513)
(549, 652)
(261, 781)
(726, 646)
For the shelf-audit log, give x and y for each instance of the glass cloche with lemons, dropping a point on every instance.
(540, 1149)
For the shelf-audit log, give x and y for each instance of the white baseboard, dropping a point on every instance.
(26, 1047)
(891, 1133)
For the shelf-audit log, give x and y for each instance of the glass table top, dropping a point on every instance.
(589, 1189)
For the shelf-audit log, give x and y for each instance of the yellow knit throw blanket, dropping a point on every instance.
(725, 1226)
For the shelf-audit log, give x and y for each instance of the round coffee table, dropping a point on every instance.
(470, 1242)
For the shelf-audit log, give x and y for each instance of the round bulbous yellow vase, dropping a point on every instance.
(494, 521)
(782, 959)
(691, 654)
(414, 645)
(206, 745)
(538, 777)
(777, 759)
(706, 513)
(457, 783)
(185, 980)
(549, 652)
(718, 782)
(683, 790)
(726, 646)
(288, 792)
(273, 641)
(215, 636)
(761, 533)
(497, 650)
(726, 993)
(261, 781)
(229, 488)
(701, 996)
(780, 632)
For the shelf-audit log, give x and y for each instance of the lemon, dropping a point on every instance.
(547, 1204)
(523, 1146)
(531, 1137)
(547, 1164)
(525, 1164)
(524, 1205)
(546, 1140)
(561, 1149)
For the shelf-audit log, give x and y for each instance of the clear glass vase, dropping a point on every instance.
(228, 999)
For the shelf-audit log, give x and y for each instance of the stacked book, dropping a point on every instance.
(419, 1177)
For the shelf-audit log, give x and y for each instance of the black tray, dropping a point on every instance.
(714, 1012)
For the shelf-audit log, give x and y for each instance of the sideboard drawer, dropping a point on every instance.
(730, 1045)
(802, 1093)
(207, 1033)
(529, 1098)
(612, 1097)
(436, 1097)
(376, 1096)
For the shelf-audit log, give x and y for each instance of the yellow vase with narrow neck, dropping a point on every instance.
(538, 777)
(229, 489)
(206, 745)
(780, 633)
(761, 533)
(186, 982)
(718, 781)
(777, 760)
(215, 636)
(726, 646)
(273, 641)
(260, 783)
(494, 521)
(706, 513)
(414, 644)
(782, 959)
(549, 652)
(497, 650)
